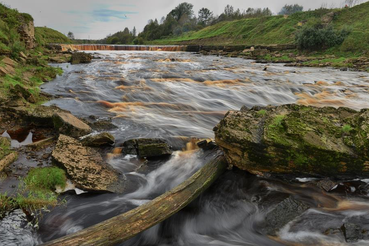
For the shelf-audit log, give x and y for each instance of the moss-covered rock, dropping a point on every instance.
(147, 147)
(80, 57)
(293, 138)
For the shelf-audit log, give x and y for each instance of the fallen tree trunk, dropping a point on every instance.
(125, 226)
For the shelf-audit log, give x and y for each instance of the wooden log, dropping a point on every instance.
(125, 226)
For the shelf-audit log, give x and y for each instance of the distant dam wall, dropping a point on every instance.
(172, 48)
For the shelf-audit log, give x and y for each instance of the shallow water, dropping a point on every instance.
(176, 95)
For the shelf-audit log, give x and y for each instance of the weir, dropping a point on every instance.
(92, 47)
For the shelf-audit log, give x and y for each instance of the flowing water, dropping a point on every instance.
(177, 95)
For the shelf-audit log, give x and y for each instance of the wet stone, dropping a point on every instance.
(286, 211)
(147, 147)
(326, 184)
(352, 232)
(101, 139)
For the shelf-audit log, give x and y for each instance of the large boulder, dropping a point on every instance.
(80, 57)
(147, 147)
(296, 139)
(85, 167)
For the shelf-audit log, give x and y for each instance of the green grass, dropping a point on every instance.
(280, 30)
(4, 148)
(45, 35)
(45, 178)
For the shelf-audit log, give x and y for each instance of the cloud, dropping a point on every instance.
(105, 15)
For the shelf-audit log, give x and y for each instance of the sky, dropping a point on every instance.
(95, 19)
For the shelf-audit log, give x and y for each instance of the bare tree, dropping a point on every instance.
(351, 3)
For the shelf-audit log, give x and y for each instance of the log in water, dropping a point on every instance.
(127, 225)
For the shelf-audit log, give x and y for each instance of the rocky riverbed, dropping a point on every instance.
(169, 103)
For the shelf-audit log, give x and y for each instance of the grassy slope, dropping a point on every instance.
(29, 73)
(45, 35)
(279, 30)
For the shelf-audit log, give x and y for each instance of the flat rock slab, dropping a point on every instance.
(296, 139)
(147, 147)
(85, 167)
(70, 125)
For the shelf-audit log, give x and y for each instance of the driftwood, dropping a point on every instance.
(125, 226)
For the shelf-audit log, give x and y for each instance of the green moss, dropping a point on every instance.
(262, 112)
(346, 128)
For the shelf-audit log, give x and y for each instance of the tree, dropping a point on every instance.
(134, 32)
(182, 9)
(70, 35)
(205, 16)
(351, 3)
(228, 11)
(290, 9)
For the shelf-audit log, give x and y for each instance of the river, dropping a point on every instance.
(176, 96)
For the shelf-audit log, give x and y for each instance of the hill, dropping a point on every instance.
(282, 29)
(45, 35)
(23, 57)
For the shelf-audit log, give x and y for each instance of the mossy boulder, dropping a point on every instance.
(80, 57)
(147, 147)
(296, 139)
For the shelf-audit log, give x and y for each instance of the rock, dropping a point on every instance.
(206, 145)
(85, 167)
(21, 92)
(43, 115)
(22, 55)
(70, 125)
(7, 70)
(9, 62)
(146, 147)
(296, 139)
(352, 232)
(80, 57)
(98, 140)
(286, 211)
(260, 52)
(41, 144)
(102, 125)
(326, 184)
(27, 34)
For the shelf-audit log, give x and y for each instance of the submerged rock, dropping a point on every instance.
(85, 167)
(354, 232)
(80, 57)
(146, 147)
(296, 139)
(286, 211)
(98, 140)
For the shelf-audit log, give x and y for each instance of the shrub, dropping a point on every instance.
(319, 36)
